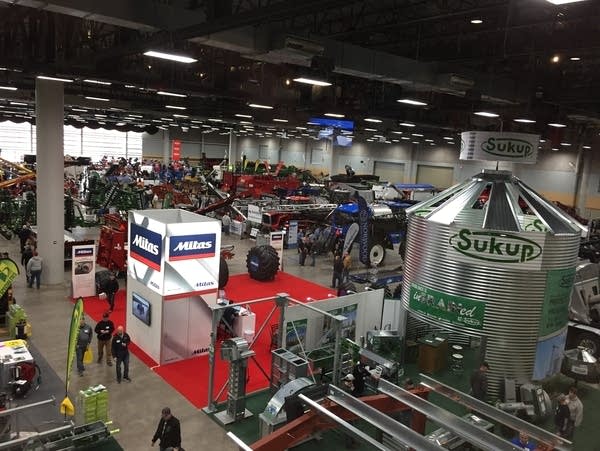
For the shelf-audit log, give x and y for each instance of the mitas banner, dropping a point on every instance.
(499, 146)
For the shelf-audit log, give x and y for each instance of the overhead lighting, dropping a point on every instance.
(565, 144)
(130, 86)
(563, 2)
(405, 138)
(406, 124)
(429, 140)
(137, 116)
(416, 142)
(587, 147)
(555, 149)
(168, 93)
(311, 81)
(486, 114)
(170, 57)
(417, 134)
(280, 120)
(215, 120)
(525, 121)
(397, 133)
(182, 116)
(411, 102)
(370, 130)
(448, 138)
(18, 103)
(575, 58)
(97, 82)
(476, 21)
(260, 106)
(245, 122)
(175, 107)
(99, 99)
(376, 121)
(100, 115)
(168, 119)
(555, 58)
(8, 88)
(81, 110)
(246, 116)
(556, 125)
(335, 115)
(64, 80)
(542, 140)
(300, 128)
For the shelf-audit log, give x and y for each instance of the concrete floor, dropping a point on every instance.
(135, 407)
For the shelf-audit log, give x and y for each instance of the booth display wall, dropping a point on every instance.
(147, 337)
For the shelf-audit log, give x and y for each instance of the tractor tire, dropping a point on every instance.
(346, 288)
(223, 273)
(397, 292)
(589, 341)
(376, 254)
(262, 263)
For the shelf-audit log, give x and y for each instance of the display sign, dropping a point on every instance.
(145, 246)
(192, 246)
(456, 310)
(499, 146)
(236, 227)
(522, 250)
(176, 150)
(335, 123)
(555, 310)
(276, 241)
(8, 273)
(83, 270)
(254, 214)
(292, 240)
(363, 230)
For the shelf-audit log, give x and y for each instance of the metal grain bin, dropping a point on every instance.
(491, 258)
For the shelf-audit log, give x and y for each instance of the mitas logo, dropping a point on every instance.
(143, 243)
(192, 246)
(146, 246)
(495, 246)
(507, 147)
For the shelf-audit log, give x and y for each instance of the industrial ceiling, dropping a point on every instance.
(429, 64)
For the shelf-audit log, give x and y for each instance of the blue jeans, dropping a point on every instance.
(35, 274)
(79, 351)
(125, 361)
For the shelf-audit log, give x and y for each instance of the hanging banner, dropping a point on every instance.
(363, 230)
(66, 406)
(176, 150)
(83, 270)
(499, 146)
(9, 271)
(292, 240)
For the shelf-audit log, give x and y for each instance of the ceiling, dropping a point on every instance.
(526, 59)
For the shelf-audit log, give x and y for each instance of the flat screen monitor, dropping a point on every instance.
(141, 308)
(343, 141)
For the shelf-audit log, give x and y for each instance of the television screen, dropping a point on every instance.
(141, 308)
(335, 123)
(343, 141)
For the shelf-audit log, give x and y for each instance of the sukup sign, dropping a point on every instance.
(498, 247)
(499, 146)
(506, 147)
(192, 246)
(145, 246)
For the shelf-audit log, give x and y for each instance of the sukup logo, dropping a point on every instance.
(192, 246)
(495, 246)
(507, 147)
(146, 246)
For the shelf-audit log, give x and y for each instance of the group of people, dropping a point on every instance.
(568, 414)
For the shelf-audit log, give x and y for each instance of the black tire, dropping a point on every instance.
(376, 254)
(397, 292)
(589, 341)
(262, 262)
(223, 273)
(346, 288)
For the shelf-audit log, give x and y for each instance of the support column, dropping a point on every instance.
(166, 147)
(49, 98)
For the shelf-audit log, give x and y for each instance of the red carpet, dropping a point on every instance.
(190, 377)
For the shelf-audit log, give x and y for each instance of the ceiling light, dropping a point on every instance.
(555, 59)
(557, 125)
(335, 115)
(563, 2)
(167, 93)
(525, 121)
(476, 21)
(100, 115)
(370, 130)
(120, 124)
(170, 57)
(417, 134)
(415, 142)
(175, 107)
(8, 88)
(448, 138)
(258, 105)
(280, 120)
(542, 140)
(575, 58)
(168, 119)
(183, 116)
(18, 103)
(370, 140)
(411, 102)
(486, 114)
(215, 120)
(247, 116)
(397, 133)
(64, 80)
(429, 140)
(370, 119)
(406, 138)
(555, 149)
(100, 99)
(245, 122)
(300, 128)
(81, 110)
(130, 86)
(311, 81)
(97, 82)
(406, 124)
(587, 147)
(135, 116)
(565, 144)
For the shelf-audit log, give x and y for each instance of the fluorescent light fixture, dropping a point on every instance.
(575, 58)
(397, 133)
(486, 114)
(175, 107)
(182, 116)
(99, 99)
(555, 149)
(168, 119)
(335, 115)
(120, 124)
(215, 120)
(300, 128)
(476, 21)
(18, 103)
(448, 138)
(556, 125)
(563, 2)
(406, 124)
(370, 130)
(311, 81)
(376, 121)
(100, 115)
(168, 93)
(416, 142)
(411, 102)
(260, 106)
(417, 134)
(280, 120)
(245, 122)
(525, 121)
(565, 144)
(555, 58)
(130, 86)
(587, 147)
(429, 140)
(542, 140)
(64, 80)
(406, 138)
(138, 116)
(8, 88)
(246, 116)
(97, 82)
(81, 110)
(170, 57)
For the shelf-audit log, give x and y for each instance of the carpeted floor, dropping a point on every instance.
(190, 377)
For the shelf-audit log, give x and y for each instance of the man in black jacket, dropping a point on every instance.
(479, 382)
(120, 351)
(104, 330)
(168, 431)
(111, 288)
(84, 338)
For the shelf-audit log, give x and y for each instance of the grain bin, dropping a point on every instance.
(491, 258)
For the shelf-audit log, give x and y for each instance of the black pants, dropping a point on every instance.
(124, 359)
(110, 297)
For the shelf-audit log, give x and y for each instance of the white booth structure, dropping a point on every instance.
(173, 278)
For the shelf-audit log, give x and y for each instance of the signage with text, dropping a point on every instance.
(192, 246)
(499, 146)
(145, 246)
(176, 150)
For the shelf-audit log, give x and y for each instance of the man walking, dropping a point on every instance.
(479, 382)
(111, 288)
(226, 223)
(34, 270)
(575, 411)
(168, 431)
(104, 330)
(84, 338)
(120, 351)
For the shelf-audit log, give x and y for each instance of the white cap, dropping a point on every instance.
(349, 377)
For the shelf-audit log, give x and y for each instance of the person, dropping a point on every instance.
(120, 352)
(562, 416)
(111, 288)
(226, 223)
(84, 338)
(168, 431)
(479, 382)
(347, 263)
(26, 254)
(575, 410)
(34, 270)
(522, 441)
(104, 330)
(24, 235)
(338, 268)
(302, 250)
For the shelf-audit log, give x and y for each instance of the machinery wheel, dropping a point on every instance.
(262, 262)
(223, 273)
(346, 288)
(376, 254)
(397, 292)
(589, 341)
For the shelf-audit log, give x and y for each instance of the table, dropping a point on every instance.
(12, 353)
(433, 352)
